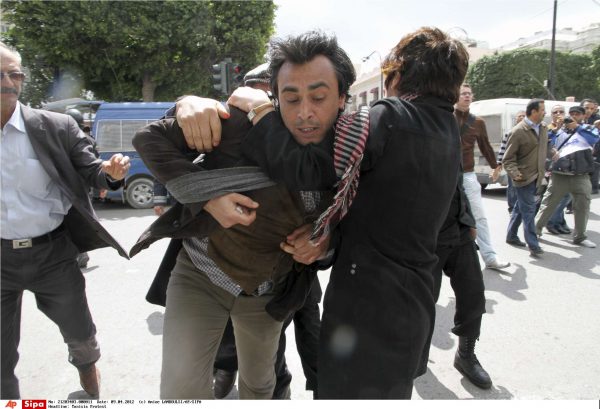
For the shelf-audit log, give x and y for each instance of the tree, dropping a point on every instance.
(239, 29)
(131, 50)
(596, 65)
(521, 74)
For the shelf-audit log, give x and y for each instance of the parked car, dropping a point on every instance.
(499, 116)
(114, 126)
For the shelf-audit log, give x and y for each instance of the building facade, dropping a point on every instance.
(567, 39)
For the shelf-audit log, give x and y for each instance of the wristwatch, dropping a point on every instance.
(255, 111)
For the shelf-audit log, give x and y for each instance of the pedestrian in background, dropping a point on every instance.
(571, 169)
(473, 131)
(511, 195)
(525, 162)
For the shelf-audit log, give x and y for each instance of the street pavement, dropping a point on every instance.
(539, 337)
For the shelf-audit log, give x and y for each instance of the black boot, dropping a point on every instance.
(224, 381)
(282, 385)
(467, 364)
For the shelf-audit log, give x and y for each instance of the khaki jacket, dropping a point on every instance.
(526, 154)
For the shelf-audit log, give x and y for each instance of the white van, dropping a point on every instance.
(499, 116)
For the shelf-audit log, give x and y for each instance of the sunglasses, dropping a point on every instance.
(14, 75)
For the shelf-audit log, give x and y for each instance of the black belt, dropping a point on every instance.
(35, 241)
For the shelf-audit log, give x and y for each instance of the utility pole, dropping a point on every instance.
(380, 71)
(552, 55)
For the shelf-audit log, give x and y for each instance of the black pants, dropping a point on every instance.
(461, 265)
(307, 325)
(595, 176)
(50, 271)
(226, 358)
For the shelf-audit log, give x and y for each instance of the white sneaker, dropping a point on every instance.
(587, 243)
(497, 265)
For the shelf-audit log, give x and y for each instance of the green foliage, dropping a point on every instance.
(241, 32)
(38, 84)
(596, 65)
(521, 74)
(129, 50)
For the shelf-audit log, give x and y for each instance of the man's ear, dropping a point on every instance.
(391, 90)
(395, 81)
(342, 102)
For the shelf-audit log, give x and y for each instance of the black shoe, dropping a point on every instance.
(224, 381)
(516, 242)
(284, 393)
(536, 252)
(552, 229)
(466, 362)
(89, 378)
(563, 230)
(282, 389)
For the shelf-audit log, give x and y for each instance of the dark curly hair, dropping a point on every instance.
(429, 62)
(303, 48)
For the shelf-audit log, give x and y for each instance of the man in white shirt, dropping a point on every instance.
(48, 165)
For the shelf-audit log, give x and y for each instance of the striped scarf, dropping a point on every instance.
(351, 135)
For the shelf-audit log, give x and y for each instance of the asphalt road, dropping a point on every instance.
(539, 337)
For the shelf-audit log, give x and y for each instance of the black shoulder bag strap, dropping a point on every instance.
(467, 124)
(565, 141)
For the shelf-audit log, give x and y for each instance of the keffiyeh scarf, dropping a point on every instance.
(351, 135)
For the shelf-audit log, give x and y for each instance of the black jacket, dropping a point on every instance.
(379, 302)
(68, 157)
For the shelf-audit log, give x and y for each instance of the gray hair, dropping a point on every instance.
(12, 51)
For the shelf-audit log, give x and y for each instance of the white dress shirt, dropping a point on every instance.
(31, 203)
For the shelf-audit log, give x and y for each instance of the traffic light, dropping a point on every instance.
(219, 74)
(227, 76)
(237, 74)
(235, 77)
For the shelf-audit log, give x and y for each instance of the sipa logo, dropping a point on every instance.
(11, 404)
(34, 404)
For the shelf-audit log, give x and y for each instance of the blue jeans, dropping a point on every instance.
(511, 195)
(558, 217)
(524, 211)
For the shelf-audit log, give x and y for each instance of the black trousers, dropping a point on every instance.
(596, 176)
(50, 271)
(226, 358)
(307, 325)
(461, 265)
